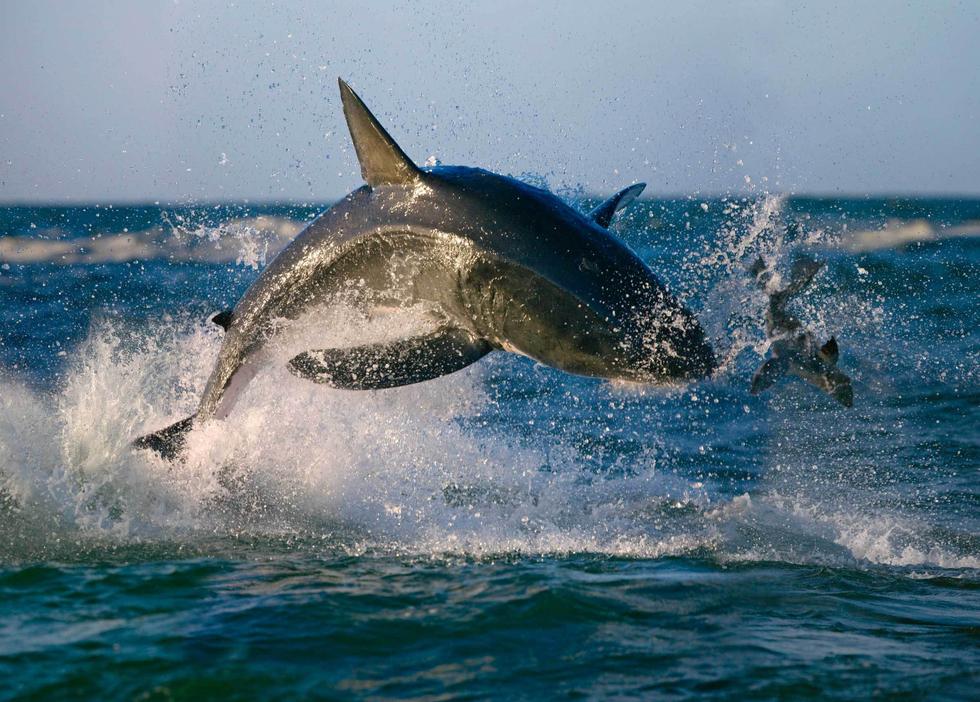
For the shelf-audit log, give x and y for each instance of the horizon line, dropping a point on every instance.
(290, 202)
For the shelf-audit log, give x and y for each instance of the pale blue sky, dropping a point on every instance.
(192, 101)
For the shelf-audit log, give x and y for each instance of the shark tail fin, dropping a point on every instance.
(382, 160)
(168, 442)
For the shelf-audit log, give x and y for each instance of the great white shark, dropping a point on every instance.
(502, 265)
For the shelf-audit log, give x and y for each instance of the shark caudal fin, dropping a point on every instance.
(169, 442)
(382, 160)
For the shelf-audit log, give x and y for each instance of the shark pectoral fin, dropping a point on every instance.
(768, 373)
(382, 160)
(403, 362)
(830, 352)
(603, 214)
(223, 319)
(169, 441)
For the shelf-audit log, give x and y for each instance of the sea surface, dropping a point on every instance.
(510, 531)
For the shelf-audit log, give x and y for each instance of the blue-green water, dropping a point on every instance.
(507, 532)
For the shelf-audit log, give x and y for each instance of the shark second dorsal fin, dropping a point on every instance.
(382, 160)
(603, 214)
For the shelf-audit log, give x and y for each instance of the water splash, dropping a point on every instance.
(421, 469)
(503, 457)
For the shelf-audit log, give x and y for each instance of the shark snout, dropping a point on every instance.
(691, 357)
(700, 361)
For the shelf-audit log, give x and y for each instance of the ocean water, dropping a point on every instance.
(509, 531)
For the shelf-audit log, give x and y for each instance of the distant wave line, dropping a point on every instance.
(246, 241)
(250, 240)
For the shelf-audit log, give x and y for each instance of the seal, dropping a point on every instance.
(793, 349)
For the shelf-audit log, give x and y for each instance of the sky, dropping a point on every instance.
(104, 101)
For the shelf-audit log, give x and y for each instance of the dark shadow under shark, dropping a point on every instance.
(502, 265)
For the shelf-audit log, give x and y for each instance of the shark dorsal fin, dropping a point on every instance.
(382, 160)
(603, 214)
